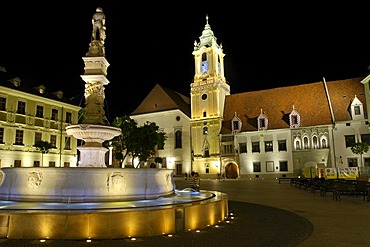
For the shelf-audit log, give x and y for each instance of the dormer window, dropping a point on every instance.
(236, 124)
(262, 121)
(294, 119)
(16, 81)
(41, 89)
(59, 94)
(357, 111)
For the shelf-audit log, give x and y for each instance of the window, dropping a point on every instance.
(324, 143)
(256, 166)
(204, 96)
(283, 166)
(282, 145)
(350, 140)
(269, 146)
(228, 149)
(315, 142)
(294, 119)
(242, 147)
(40, 111)
(21, 107)
(178, 139)
(54, 114)
(206, 153)
(269, 166)
(38, 137)
(204, 114)
(2, 104)
(357, 110)
(53, 141)
(68, 117)
(1, 135)
(51, 163)
(365, 138)
(352, 162)
(67, 164)
(17, 163)
(18, 137)
(204, 63)
(366, 162)
(297, 145)
(205, 131)
(262, 121)
(36, 163)
(235, 125)
(305, 142)
(67, 144)
(255, 147)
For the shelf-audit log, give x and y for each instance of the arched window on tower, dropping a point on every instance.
(204, 63)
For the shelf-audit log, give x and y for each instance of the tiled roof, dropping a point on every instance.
(163, 99)
(29, 86)
(310, 100)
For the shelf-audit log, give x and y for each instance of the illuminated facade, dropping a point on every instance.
(29, 114)
(171, 112)
(268, 133)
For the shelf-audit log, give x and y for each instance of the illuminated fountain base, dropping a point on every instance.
(107, 203)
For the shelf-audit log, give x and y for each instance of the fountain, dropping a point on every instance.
(93, 201)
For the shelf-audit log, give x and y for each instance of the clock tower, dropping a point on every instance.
(208, 92)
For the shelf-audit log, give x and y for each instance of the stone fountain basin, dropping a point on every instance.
(84, 184)
(93, 133)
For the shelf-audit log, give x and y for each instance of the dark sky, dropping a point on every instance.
(266, 45)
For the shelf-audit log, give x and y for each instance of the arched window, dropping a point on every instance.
(305, 142)
(315, 142)
(178, 139)
(324, 142)
(297, 145)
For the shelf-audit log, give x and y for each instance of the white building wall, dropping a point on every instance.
(167, 122)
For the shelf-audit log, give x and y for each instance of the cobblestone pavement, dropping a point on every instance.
(266, 213)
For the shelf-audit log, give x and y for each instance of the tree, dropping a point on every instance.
(141, 142)
(44, 148)
(360, 148)
(123, 142)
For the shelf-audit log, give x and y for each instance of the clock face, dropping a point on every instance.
(204, 66)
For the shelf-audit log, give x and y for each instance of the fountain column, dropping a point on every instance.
(92, 130)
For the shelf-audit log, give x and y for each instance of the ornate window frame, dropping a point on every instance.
(294, 119)
(236, 124)
(262, 121)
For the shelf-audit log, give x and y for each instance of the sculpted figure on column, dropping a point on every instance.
(98, 22)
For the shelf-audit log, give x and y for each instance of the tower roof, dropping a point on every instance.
(207, 38)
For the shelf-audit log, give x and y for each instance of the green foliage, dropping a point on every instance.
(158, 160)
(139, 141)
(360, 148)
(43, 146)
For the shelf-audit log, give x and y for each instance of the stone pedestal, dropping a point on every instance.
(92, 153)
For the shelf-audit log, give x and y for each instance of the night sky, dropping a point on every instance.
(266, 45)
